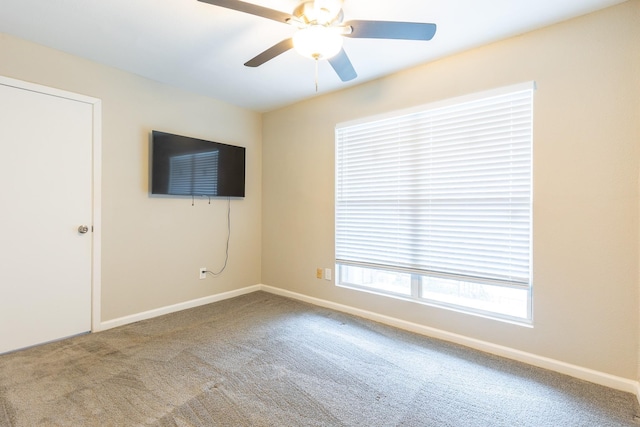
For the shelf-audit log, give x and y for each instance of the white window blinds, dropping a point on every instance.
(444, 191)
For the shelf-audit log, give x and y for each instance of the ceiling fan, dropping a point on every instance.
(321, 30)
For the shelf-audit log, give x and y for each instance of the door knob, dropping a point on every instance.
(83, 229)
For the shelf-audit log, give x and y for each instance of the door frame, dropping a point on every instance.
(96, 184)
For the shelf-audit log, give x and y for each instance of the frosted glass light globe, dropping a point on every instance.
(317, 42)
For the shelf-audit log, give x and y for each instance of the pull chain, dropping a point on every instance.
(316, 56)
(316, 74)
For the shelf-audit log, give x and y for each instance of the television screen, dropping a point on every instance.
(185, 166)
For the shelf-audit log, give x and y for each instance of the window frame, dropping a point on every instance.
(416, 289)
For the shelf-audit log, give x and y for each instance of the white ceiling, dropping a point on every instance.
(202, 48)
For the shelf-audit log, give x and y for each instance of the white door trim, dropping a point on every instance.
(96, 235)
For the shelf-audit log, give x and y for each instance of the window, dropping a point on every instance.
(434, 204)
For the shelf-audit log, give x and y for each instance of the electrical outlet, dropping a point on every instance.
(327, 273)
(318, 273)
(203, 272)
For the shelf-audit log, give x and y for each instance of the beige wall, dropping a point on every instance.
(586, 142)
(153, 247)
(587, 132)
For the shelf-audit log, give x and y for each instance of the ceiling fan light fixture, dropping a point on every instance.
(317, 42)
(321, 28)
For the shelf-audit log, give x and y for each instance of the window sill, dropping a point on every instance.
(527, 323)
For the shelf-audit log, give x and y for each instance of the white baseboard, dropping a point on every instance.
(607, 380)
(586, 374)
(121, 321)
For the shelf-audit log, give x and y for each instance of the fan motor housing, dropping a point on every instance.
(308, 13)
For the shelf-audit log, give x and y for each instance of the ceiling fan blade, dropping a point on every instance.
(342, 66)
(270, 53)
(252, 9)
(391, 30)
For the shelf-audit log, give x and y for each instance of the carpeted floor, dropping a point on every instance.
(264, 360)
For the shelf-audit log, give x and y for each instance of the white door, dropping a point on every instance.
(45, 195)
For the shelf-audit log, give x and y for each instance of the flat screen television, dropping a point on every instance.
(185, 166)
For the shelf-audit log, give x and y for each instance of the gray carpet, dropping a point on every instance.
(264, 360)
